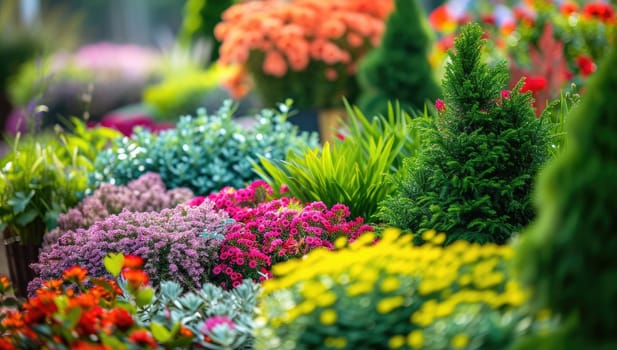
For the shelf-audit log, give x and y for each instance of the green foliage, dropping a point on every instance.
(352, 172)
(568, 254)
(556, 112)
(200, 18)
(399, 69)
(43, 176)
(394, 295)
(204, 153)
(182, 94)
(473, 175)
(172, 306)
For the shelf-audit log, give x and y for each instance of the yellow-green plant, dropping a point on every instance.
(353, 171)
(394, 295)
(43, 175)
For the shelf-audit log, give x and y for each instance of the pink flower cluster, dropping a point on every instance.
(269, 230)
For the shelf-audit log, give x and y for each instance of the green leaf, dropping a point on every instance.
(113, 263)
(160, 332)
(144, 296)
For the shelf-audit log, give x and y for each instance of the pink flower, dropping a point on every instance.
(505, 94)
(195, 202)
(440, 105)
(216, 321)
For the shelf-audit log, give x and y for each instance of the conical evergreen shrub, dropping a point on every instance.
(399, 69)
(568, 256)
(473, 175)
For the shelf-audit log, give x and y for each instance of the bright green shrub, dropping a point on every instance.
(352, 172)
(204, 153)
(394, 295)
(568, 254)
(399, 69)
(473, 174)
(182, 94)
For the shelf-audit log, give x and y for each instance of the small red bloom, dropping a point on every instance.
(600, 10)
(440, 105)
(75, 274)
(5, 284)
(143, 337)
(534, 84)
(505, 94)
(121, 318)
(132, 262)
(90, 321)
(82, 345)
(568, 7)
(586, 65)
(135, 278)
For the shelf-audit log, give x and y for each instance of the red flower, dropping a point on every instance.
(90, 321)
(586, 65)
(121, 318)
(568, 7)
(534, 84)
(5, 344)
(600, 10)
(82, 345)
(5, 284)
(75, 274)
(143, 337)
(442, 19)
(440, 105)
(132, 262)
(505, 94)
(135, 278)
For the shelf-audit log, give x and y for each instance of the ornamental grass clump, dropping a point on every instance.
(147, 193)
(353, 171)
(567, 255)
(394, 295)
(178, 244)
(203, 153)
(473, 175)
(275, 230)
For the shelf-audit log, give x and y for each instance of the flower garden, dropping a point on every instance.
(462, 198)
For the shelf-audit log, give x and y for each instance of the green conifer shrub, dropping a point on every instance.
(473, 175)
(567, 255)
(399, 69)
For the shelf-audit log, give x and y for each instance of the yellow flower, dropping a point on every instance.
(326, 299)
(388, 304)
(335, 342)
(396, 342)
(439, 239)
(359, 288)
(389, 284)
(415, 339)
(428, 235)
(460, 341)
(328, 317)
(340, 242)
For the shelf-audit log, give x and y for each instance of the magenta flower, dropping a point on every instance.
(217, 321)
(440, 105)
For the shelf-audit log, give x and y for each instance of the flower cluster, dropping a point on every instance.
(64, 313)
(392, 293)
(267, 232)
(549, 43)
(301, 42)
(178, 244)
(147, 193)
(78, 311)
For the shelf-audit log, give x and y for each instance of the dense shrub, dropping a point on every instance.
(473, 175)
(399, 69)
(567, 256)
(268, 231)
(178, 244)
(205, 153)
(147, 193)
(394, 295)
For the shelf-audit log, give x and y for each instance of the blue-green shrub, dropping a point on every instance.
(204, 153)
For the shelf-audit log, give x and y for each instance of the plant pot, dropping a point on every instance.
(19, 257)
(327, 122)
(330, 123)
